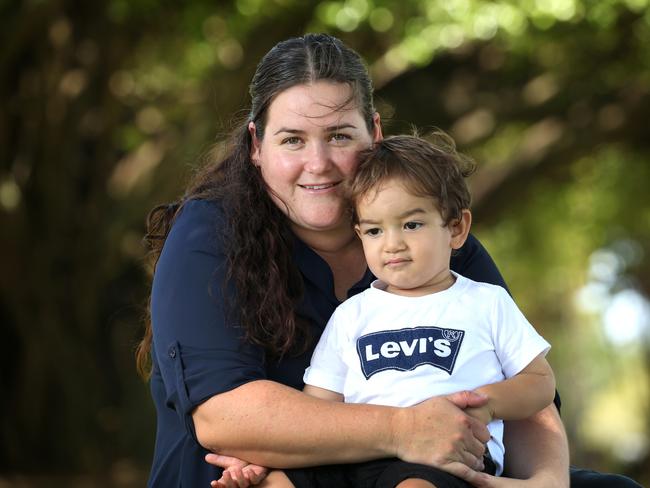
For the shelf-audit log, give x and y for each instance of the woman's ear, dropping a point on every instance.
(376, 128)
(255, 144)
(460, 229)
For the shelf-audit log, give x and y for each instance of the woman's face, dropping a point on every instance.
(310, 146)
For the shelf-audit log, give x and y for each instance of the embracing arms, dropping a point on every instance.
(274, 425)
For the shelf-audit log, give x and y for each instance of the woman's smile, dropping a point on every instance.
(319, 188)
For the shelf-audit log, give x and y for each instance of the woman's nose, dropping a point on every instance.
(317, 158)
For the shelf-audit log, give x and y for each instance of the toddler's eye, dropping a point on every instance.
(374, 232)
(412, 225)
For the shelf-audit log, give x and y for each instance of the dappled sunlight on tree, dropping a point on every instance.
(109, 106)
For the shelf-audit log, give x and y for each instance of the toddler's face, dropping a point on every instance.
(405, 240)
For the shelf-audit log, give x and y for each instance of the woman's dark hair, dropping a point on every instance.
(429, 168)
(259, 240)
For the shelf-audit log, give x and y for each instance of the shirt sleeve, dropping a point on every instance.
(516, 341)
(199, 352)
(327, 368)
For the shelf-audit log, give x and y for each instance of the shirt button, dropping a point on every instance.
(172, 352)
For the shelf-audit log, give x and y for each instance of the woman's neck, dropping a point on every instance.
(329, 242)
(343, 253)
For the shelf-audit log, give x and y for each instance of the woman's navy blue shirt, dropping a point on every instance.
(197, 354)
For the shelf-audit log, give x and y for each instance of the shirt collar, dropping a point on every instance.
(315, 270)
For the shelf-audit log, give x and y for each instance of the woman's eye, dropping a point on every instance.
(412, 225)
(291, 141)
(340, 137)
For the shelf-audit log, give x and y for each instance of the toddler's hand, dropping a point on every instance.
(482, 414)
(241, 477)
(237, 473)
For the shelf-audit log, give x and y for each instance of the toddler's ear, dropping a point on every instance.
(357, 229)
(460, 229)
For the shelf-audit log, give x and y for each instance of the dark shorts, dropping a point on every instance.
(338, 476)
(388, 473)
(334, 475)
(382, 473)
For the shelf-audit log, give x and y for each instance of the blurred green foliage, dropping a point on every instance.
(106, 107)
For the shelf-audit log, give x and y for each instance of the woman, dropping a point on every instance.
(249, 268)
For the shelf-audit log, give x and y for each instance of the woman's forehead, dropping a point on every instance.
(317, 105)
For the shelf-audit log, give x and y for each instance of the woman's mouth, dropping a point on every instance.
(323, 186)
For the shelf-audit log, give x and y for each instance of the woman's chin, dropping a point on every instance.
(323, 222)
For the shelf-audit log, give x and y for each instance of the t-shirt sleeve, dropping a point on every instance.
(516, 341)
(474, 262)
(327, 368)
(199, 352)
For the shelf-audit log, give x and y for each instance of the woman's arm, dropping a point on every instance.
(322, 393)
(273, 425)
(542, 449)
(540, 459)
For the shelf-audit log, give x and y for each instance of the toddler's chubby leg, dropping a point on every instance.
(415, 483)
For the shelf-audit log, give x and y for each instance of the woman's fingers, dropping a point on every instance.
(234, 477)
(225, 481)
(224, 461)
(237, 473)
(484, 480)
(255, 473)
(467, 399)
(462, 471)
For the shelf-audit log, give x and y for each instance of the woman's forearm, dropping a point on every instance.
(273, 425)
(537, 448)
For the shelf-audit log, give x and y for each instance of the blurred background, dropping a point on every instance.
(106, 108)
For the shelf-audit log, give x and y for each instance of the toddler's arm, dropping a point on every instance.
(519, 397)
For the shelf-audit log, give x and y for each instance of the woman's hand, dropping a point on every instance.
(437, 432)
(536, 449)
(237, 473)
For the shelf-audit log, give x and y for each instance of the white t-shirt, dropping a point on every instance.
(388, 349)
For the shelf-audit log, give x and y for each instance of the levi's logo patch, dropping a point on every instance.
(406, 349)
